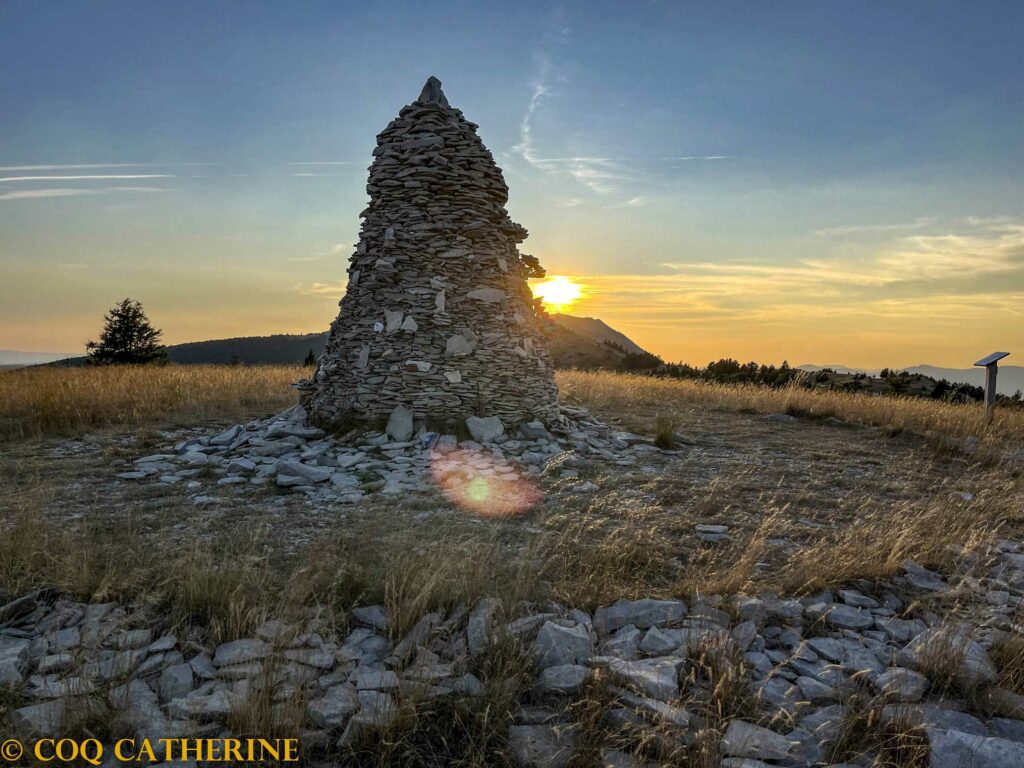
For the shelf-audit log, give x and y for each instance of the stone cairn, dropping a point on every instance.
(438, 336)
(438, 320)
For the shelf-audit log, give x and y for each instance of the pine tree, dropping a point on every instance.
(127, 338)
(310, 359)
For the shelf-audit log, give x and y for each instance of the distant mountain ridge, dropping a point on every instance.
(278, 349)
(599, 331)
(14, 357)
(574, 342)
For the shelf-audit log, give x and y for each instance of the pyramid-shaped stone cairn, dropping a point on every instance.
(437, 318)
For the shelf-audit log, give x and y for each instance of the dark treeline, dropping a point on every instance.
(729, 371)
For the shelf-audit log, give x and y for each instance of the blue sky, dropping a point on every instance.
(823, 182)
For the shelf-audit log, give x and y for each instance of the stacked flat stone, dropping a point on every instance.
(438, 317)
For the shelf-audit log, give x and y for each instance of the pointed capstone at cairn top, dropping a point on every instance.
(437, 317)
(432, 93)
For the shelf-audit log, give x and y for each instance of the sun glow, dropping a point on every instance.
(557, 292)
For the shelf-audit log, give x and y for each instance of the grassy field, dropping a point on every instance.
(627, 393)
(40, 401)
(626, 541)
(37, 402)
(810, 505)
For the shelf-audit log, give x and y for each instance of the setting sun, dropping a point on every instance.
(557, 292)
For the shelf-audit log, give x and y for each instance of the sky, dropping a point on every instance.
(820, 182)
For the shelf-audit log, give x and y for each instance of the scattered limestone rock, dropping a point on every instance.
(44, 719)
(375, 616)
(352, 683)
(923, 579)
(639, 613)
(657, 643)
(557, 645)
(564, 678)
(333, 709)
(400, 424)
(840, 615)
(203, 704)
(240, 652)
(956, 749)
(899, 684)
(485, 430)
(175, 682)
(480, 622)
(743, 739)
(950, 645)
(542, 746)
(657, 678)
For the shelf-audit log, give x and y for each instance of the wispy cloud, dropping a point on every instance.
(599, 174)
(525, 147)
(689, 158)
(924, 276)
(32, 194)
(938, 257)
(325, 289)
(83, 166)
(603, 175)
(875, 229)
(307, 175)
(41, 194)
(105, 177)
(328, 162)
(633, 202)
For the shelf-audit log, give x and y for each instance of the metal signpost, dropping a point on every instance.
(991, 365)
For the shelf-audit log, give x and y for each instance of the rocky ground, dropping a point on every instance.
(284, 451)
(810, 667)
(912, 668)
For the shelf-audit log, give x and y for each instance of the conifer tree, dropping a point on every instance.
(127, 338)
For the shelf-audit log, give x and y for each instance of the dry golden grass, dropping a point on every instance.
(723, 691)
(863, 731)
(872, 546)
(1008, 656)
(42, 401)
(624, 393)
(587, 561)
(36, 402)
(225, 585)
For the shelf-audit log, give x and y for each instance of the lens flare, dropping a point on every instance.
(483, 483)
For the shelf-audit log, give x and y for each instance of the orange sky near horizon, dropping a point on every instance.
(664, 317)
(928, 292)
(696, 315)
